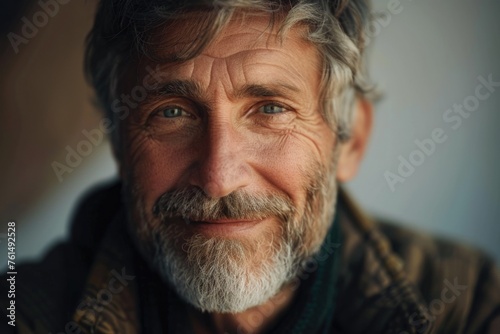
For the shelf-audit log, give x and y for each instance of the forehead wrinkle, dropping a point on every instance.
(284, 75)
(257, 58)
(247, 40)
(237, 89)
(181, 88)
(282, 69)
(246, 67)
(263, 25)
(207, 54)
(273, 89)
(282, 83)
(220, 81)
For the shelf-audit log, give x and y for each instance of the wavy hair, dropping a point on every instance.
(123, 29)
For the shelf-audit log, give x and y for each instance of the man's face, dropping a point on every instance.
(229, 167)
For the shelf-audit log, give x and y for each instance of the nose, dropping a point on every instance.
(221, 165)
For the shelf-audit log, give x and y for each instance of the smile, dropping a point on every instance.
(222, 226)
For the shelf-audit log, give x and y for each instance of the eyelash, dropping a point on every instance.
(285, 108)
(160, 110)
(183, 111)
(274, 104)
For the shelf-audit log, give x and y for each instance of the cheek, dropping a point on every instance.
(282, 161)
(289, 162)
(153, 167)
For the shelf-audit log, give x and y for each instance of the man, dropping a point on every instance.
(234, 123)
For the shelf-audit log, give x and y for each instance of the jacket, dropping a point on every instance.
(382, 279)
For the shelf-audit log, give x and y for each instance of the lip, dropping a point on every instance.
(225, 221)
(223, 226)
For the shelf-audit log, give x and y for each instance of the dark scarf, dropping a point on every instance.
(365, 279)
(97, 281)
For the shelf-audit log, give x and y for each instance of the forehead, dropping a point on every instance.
(257, 32)
(248, 46)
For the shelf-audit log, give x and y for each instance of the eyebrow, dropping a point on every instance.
(191, 89)
(266, 90)
(186, 88)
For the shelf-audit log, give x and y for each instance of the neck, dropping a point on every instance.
(255, 320)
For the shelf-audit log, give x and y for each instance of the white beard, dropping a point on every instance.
(233, 275)
(226, 276)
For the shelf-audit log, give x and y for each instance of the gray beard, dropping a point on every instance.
(232, 275)
(224, 275)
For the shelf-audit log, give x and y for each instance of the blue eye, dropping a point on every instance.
(271, 109)
(172, 112)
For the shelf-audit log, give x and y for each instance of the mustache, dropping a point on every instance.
(194, 204)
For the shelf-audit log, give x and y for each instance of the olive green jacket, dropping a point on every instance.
(382, 279)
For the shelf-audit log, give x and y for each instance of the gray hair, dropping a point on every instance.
(122, 31)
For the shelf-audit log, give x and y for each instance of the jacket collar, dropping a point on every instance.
(374, 294)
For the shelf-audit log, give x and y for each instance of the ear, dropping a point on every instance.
(352, 151)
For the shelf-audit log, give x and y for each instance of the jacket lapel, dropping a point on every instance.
(109, 301)
(375, 295)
